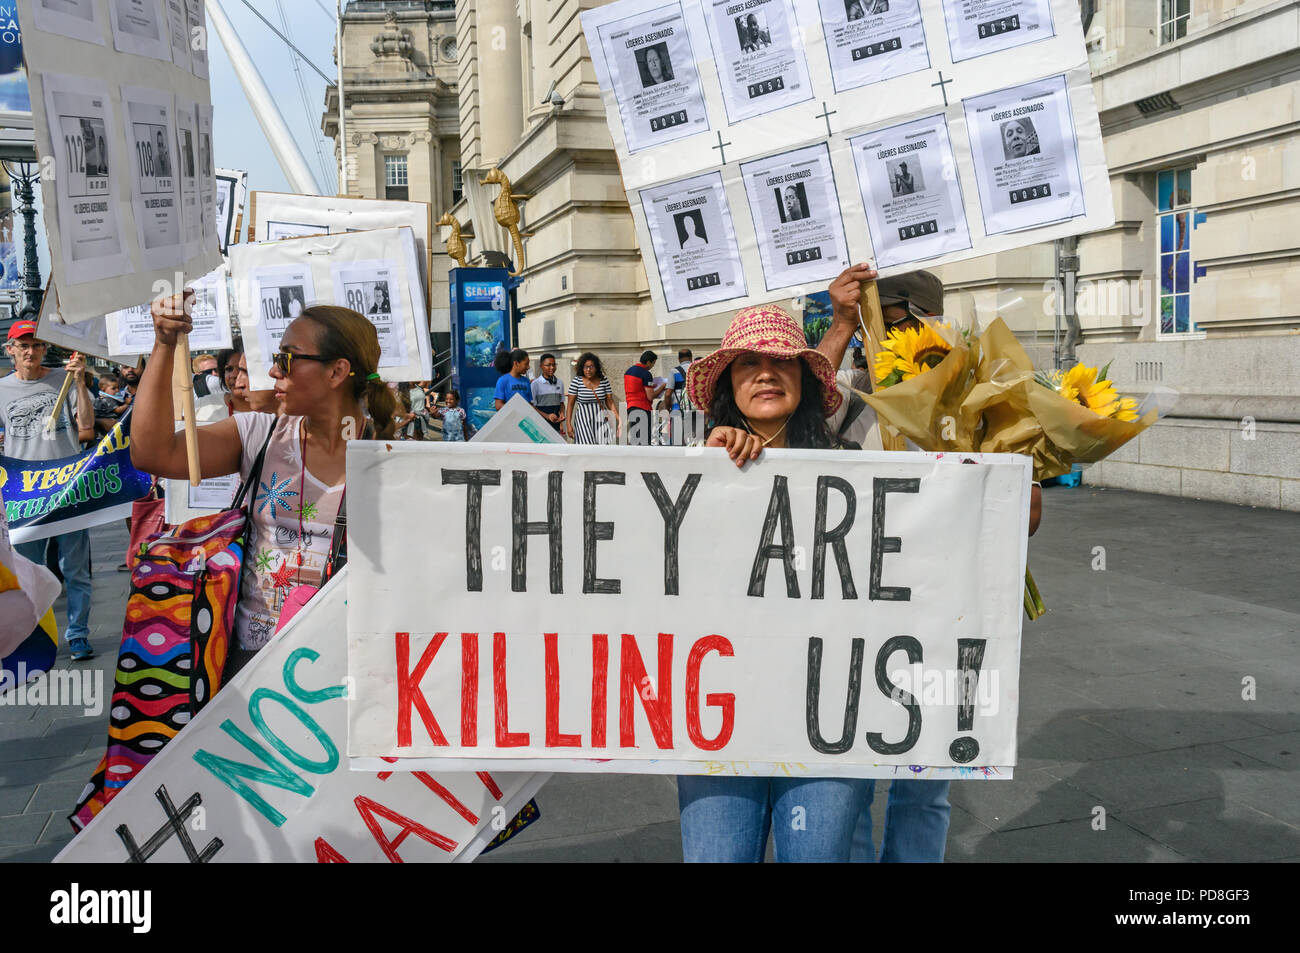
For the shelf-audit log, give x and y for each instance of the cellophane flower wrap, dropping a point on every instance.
(983, 396)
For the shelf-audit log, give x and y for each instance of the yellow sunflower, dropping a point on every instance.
(909, 352)
(1080, 384)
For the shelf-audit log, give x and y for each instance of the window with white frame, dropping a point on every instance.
(1174, 15)
(396, 185)
(1175, 218)
(457, 189)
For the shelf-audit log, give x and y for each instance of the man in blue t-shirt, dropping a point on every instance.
(516, 381)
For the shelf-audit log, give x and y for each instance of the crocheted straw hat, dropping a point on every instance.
(765, 329)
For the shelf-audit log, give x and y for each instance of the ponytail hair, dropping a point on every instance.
(348, 335)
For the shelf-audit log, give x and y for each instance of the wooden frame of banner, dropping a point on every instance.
(58, 401)
(183, 397)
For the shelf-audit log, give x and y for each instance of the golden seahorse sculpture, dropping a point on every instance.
(455, 244)
(507, 215)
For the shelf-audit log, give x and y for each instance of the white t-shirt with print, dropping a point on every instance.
(285, 497)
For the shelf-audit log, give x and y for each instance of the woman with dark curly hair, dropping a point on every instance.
(766, 388)
(590, 404)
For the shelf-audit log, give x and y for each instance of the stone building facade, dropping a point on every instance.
(585, 286)
(402, 126)
(1191, 294)
(1194, 293)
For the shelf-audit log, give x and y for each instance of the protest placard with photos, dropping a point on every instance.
(130, 331)
(259, 775)
(123, 124)
(767, 144)
(374, 272)
(818, 613)
(88, 337)
(278, 215)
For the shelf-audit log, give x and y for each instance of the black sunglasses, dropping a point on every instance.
(284, 360)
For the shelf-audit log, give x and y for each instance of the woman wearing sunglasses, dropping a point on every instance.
(326, 381)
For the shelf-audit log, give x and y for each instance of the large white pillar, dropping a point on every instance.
(283, 144)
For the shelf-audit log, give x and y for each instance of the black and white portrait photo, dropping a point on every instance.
(690, 229)
(751, 29)
(857, 9)
(905, 177)
(93, 142)
(187, 153)
(162, 154)
(1019, 138)
(792, 202)
(377, 299)
(292, 301)
(654, 65)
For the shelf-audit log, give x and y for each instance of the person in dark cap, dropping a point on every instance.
(916, 820)
(28, 398)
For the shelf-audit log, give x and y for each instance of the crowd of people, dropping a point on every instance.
(584, 410)
(765, 387)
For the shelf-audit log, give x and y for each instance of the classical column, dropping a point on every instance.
(500, 78)
(363, 152)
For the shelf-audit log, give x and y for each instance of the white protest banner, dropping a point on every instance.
(766, 144)
(119, 124)
(375, 272)
(88, 337)
(130, 331)
(259, 775)
(279, 215)
(661, 611)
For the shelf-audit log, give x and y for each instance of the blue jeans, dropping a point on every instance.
(74, 564)
(916, 823)
(727, 819)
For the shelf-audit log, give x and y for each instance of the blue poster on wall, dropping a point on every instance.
(480, 330)
(14, 98)
(15, 113)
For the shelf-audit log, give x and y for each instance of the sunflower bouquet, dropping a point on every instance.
(1091, 388)
(948, 390)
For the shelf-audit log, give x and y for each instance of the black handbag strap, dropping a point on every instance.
(338, 557)
(255, 473)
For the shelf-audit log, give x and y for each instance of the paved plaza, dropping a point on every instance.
(1162, 689)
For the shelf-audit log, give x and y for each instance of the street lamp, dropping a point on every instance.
(24, 180)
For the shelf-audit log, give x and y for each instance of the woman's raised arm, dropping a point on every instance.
(156, 446)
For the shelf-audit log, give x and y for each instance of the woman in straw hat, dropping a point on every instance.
(766, 388)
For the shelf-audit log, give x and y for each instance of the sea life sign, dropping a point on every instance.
(661, 611)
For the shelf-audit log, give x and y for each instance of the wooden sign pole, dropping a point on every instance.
(183, 399)
(53, 420)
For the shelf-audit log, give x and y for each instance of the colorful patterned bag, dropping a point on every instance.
(175, 641)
